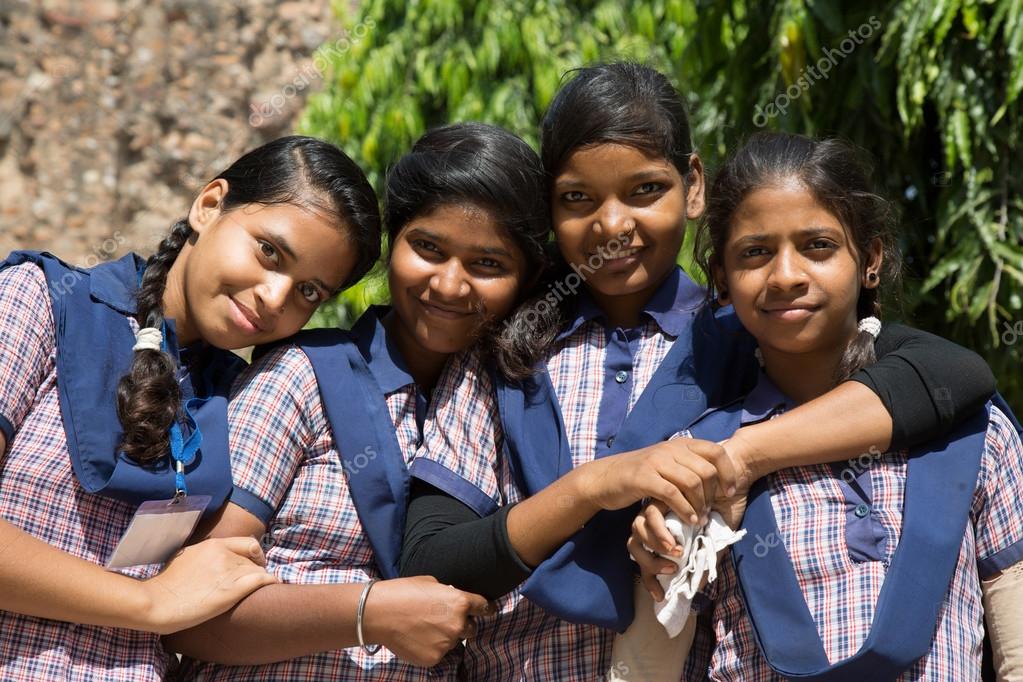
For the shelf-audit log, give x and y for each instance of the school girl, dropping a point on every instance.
(322, 428)
(515, 470)
(114, 394)
(879, 570)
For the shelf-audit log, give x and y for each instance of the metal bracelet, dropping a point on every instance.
(369, 649)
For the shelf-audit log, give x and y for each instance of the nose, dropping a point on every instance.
(448, 282)
(272, 294)
(787, 271)
(613, 219)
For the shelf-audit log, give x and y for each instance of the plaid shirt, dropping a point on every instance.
(841, 592)
(287, 471)
(40, 494)
(465, 438)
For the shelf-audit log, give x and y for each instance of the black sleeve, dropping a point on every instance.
(928, 384)
(448, 540)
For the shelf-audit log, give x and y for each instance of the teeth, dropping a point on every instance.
(624, 253)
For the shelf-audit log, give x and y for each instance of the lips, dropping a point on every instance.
(793, 312)
(443, 312)
(246, 319)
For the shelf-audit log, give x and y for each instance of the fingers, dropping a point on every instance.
(652, 586)
(243, 546)
(650, 563)
(727, 474)
(252, 580)
(478, 606)
(651, 529)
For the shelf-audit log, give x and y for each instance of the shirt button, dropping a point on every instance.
(610, 441)
(621, 376)
(861, 511)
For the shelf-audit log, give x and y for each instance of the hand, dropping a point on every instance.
(649, 530)
(419, 619)
(685, 473)
(203, 581)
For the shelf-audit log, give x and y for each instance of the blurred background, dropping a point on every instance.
(113, 114)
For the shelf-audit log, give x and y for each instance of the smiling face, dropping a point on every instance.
(254, 274)
(625, 210)
(451, 271)
(792, 273)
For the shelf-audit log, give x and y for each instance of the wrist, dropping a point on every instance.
(583, 487)
(746, 456)
(374, 620)
(141, 608)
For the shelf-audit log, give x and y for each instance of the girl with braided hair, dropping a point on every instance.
(113, 402)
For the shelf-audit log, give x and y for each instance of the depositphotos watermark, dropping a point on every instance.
(312, 73)
(569, 286)
(816, 72)
(102, 252)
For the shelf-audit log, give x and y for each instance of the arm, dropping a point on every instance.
(1003, 595)
(921, 386)
(418, 619)
(491, 555)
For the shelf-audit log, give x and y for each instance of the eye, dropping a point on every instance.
(424, 245)
(310, 292)
(490, 263)
(821, 244)
(269, 251)
(649, 188)
(573, 196)
(754, 252)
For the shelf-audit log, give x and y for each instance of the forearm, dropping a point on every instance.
(1002, 598)
(844, 423)
(537, 526)
(276, 623)
(39, 580)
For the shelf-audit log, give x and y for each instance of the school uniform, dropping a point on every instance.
(601, 391)
(819, 588)
(67, 337)
(322, 428)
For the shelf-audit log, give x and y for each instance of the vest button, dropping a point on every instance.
(621, 376)
(610, 441)
(861, 511)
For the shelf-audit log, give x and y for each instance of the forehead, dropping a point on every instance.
(781, 208)
(464, 226)
(611, 162)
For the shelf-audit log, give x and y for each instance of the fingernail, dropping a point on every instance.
(667, 570)
(731, 490)
(693, 518)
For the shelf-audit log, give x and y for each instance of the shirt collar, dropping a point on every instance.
(670, 306)
(381, 355)
(764, 401)
(116, 283)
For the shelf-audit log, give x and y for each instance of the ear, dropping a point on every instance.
(695, 188)
(874, 261)
(720, 283)
(206, 207)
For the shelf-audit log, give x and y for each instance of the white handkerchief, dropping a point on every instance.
(700, 547)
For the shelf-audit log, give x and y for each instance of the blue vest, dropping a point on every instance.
(356, 408)
(589, 579)
(94, 349)
(940, 482)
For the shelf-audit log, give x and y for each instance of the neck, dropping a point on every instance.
(803, 376)
(623, 311)
(423, 364)
(174, 306)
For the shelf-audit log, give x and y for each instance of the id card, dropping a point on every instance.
(158, 530)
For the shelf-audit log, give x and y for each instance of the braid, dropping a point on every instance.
(148, 396)
(860, 352)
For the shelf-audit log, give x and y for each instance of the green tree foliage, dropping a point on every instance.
(930, 88)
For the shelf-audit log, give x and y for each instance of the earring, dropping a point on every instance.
(871, 276)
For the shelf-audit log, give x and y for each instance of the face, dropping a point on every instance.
(792, 273)
(256, 273)
(622, 213)
(450, 272)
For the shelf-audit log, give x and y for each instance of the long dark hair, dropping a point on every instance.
(291, 169)
(618, 103)
(838, 176)
(478, 165)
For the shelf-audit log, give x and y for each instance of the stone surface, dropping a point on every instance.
(113, 113)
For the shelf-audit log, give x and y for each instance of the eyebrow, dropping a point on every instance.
(805, 232)
(284, 246)
(487, 250)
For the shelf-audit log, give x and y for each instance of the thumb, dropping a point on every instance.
(247, 547)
